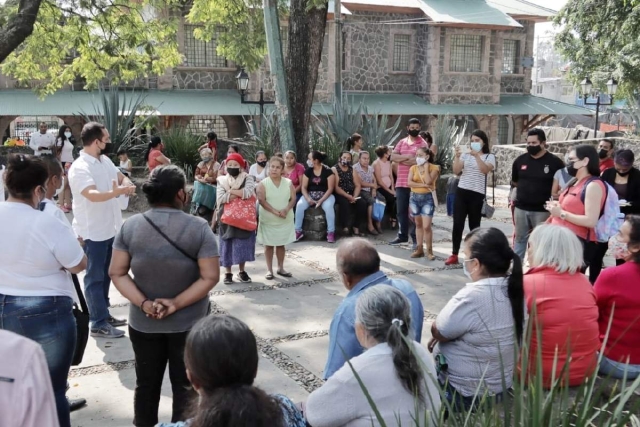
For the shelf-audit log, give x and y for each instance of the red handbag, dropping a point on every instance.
(241, 213)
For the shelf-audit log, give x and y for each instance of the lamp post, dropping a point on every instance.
(587, 86)
(242, 79)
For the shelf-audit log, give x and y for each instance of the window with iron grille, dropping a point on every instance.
(539, 89)
(284, 38)
(471, 125)
(401, 44)
(345, 57)
(199, 53)
(503, 130)
(466, 53)
(202, 125)
(510, 54)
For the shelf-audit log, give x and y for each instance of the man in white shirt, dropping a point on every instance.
(42, 141)
(96, 184)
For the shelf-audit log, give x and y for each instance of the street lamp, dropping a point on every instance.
(242, 79)
(587, 88)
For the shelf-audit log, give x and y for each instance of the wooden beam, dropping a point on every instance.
(536, 120)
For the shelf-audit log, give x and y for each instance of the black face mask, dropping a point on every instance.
(623, 173)
(571, 170)
(534, 150)
(262, 164)
(233, 171)
(414, 132)
(603, 154)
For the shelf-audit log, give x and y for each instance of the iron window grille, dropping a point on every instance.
(401, 44)
(503, 131)
(510, 54)
(466, 53)
(284, 37)
(199, 53)
(345, 57)
(201, 125)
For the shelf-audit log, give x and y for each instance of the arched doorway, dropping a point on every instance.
(23, 126)
(505, 130)
(201, 125)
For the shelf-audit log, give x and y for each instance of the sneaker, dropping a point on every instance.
(299, 235)
(453, 259)
(75, 404)
(228, 278)
(116, 322)
(397, 241)
(331, 237)
(244, 277)
(107, 332)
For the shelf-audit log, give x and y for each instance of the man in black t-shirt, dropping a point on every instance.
(532, 174)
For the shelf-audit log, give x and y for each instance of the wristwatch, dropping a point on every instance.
(563, 216)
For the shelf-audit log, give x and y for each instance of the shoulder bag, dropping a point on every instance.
(487, 209)
(171, 242)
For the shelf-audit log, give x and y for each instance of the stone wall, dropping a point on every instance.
(507, 154)
(203, 79)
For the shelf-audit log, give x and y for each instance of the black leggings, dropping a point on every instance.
(594, 257)
(390, 199)
(346, 210)
(467, 204)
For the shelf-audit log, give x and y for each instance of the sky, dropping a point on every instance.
(543, 29)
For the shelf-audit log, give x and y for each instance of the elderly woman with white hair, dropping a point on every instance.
(562, 304)
(397, 371)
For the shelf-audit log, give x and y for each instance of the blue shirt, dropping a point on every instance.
(342, 334)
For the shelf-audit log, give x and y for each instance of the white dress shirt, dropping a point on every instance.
(41, 140)
(341, 401)
(95, 221)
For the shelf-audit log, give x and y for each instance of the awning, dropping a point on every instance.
(227, 103)
(408, 104)
(467, 12)
(167, 103)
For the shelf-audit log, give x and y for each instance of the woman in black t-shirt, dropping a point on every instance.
(318, 184)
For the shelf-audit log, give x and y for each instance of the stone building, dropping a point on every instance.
(424, 58)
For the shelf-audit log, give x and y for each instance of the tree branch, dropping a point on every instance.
(19, 28)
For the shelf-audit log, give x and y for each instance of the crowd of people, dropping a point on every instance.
(530, 293)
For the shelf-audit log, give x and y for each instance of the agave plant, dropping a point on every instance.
(321, 140)
(446, 135)
(181, 146)
(375, 131)
(343, 120)
(263, 136)
(118, 111)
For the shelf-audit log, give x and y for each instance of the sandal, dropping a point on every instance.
(284, 273)
(269, 276)
(373, 232)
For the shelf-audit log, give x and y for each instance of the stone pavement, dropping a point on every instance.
(290, 317)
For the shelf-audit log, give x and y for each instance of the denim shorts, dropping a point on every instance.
(421, 204)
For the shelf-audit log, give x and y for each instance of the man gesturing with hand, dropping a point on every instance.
(96, 184)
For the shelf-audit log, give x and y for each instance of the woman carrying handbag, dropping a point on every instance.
(236, 218)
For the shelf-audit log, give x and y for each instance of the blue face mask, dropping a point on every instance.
(476, 146)
(464, 268)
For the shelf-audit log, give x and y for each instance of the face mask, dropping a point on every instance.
(262, 163)
(623, 173)
(603, 154)
(310, 163)
(464, 268)
(476, 146)
(207, 159)
(344, 162)
(420, 161)
(414, 132)
(67, 135)
(233, 171)
(534, 150)
(571, 170)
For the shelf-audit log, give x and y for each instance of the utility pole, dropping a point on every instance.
(276, 63)
(337, 19)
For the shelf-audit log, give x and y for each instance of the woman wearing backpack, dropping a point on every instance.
(581, 214)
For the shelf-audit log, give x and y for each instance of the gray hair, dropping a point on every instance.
(556, 246)
(385, 314)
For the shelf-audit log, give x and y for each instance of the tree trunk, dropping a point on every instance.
(19, 27)
(306, 40)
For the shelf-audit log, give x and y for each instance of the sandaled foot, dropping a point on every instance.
(269, 276)
(373, 232)
(284, 273)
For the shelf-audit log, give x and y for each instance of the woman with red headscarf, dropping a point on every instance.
(237, 246)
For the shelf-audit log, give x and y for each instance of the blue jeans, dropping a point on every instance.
(525, 222)
(422, 204)
(48, 321)
(617, 370)
(327, 207)
(451, 198)
(405, 226)
(97, 281)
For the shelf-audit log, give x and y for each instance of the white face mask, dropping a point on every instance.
(67, 134)
(420, 161)
(464, 268)
(310, 163)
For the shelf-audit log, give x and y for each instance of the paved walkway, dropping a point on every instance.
(290, 317)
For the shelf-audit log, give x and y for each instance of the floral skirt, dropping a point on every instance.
(236, 251)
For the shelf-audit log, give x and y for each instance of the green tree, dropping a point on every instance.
(601, 38)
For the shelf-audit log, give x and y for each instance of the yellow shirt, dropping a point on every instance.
(414, 174)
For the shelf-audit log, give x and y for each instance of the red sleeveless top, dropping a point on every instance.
(571, 201)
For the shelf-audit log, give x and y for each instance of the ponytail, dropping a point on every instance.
(147, 152)
(404, 360)
(515, 290)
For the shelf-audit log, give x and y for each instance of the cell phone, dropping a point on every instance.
(464, 149)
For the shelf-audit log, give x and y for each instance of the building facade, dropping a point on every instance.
(409, 58)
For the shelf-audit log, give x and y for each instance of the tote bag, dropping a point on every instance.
(241, 213)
